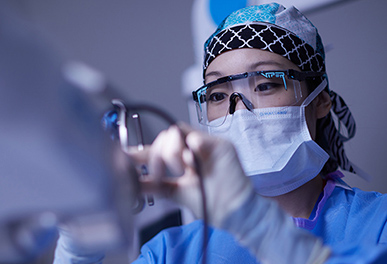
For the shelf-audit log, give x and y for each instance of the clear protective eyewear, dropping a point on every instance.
(219, 99)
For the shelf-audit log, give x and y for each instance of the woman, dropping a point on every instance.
(266, 103)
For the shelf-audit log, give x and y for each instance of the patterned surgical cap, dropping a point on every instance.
(269, 27)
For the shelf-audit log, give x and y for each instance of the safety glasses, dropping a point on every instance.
(260, 89)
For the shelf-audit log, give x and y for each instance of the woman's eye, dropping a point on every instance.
(267, 86)
(216, 97)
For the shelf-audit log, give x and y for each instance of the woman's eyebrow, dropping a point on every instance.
(256, 65)
(253, 67)
(213, 73)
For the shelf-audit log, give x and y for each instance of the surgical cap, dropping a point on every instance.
(269, 27)
(287, 32)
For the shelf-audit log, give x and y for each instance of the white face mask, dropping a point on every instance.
(274, 146)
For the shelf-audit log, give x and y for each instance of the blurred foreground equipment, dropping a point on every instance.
(56, 163)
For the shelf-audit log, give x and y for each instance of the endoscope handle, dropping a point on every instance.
(140, 147)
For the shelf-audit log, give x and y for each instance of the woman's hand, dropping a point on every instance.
(188, 154)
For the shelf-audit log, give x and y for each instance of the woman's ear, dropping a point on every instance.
(323, 104)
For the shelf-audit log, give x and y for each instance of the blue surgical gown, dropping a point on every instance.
(351, 221)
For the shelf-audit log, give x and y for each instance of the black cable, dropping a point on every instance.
(204, 208)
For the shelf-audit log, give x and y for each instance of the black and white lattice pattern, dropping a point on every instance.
(266, 37)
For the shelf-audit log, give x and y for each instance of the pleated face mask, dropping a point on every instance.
(274, 146)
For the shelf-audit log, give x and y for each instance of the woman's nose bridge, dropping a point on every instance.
(240, 87)
(239, 104)
(236, 99)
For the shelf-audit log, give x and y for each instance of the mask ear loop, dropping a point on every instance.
(335, 136)
(315, 92)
